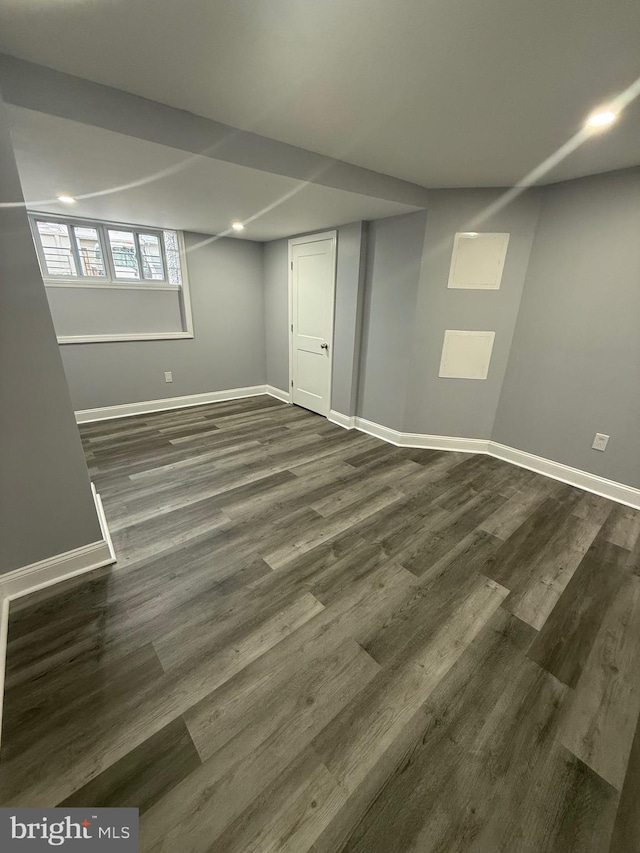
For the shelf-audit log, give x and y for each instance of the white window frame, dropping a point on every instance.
(110, 279)
(109, 282)
(136, 232)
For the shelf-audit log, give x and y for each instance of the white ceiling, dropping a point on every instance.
(120, 178)
(440, 93)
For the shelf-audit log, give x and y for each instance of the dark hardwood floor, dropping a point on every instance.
(315, 641)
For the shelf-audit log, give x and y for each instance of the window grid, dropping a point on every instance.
(169, 269)
(146, 258)
(92, 262)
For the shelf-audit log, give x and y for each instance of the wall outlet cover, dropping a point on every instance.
(168, 376)
(600, 441)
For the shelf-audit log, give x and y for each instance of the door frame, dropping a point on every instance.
(295, 241)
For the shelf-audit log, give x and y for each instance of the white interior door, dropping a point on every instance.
(312, 299)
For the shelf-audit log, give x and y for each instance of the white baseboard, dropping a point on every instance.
(48, 572)
(416, 439)
(104, 527)
(55, 569)
(619, 492)
(60, 567)
(345, 421)
(128, 410)
(277, 393)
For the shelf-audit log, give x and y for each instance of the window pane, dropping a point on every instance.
(172, 254)
(123, 252)
(56, 246)
(89, 251)
(151, 255)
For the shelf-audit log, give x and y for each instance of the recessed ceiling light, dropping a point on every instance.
(601, 119)
(66, 199)
(237, 226)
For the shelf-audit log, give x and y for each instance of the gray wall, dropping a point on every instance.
(464, 407)
(46, 504)
(104, 311)
(575, 362)
(392, 278)
(228, 351)
(276, 299)
(349, 304)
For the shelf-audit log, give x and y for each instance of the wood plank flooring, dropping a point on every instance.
(315, 641)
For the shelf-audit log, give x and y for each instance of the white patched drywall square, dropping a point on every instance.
(478, 260)
(466, 355)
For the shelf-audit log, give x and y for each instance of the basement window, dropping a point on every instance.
(108, 282)
(98, 254)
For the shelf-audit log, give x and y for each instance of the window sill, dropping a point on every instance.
(143, 336)
(109, 285)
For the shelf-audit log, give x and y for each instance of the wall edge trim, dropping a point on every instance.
(422, 440)
(611, 489)
(48, 572)
(144, 407)
(345, 421)
(285, 396)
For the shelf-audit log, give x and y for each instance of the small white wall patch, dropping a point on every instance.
(466, 355)
(478, 260)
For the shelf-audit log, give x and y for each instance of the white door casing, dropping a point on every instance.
(312, 274)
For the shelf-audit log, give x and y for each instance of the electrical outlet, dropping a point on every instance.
(168, 376)
(600, 441)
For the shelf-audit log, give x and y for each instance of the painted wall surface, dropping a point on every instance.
(350, 283)
(464, 407)
(392, 277)
(46, 505)
(276, 316)
(109, 311)
(228, 350)
(575, 361)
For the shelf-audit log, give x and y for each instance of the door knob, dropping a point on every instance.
(324, 346)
